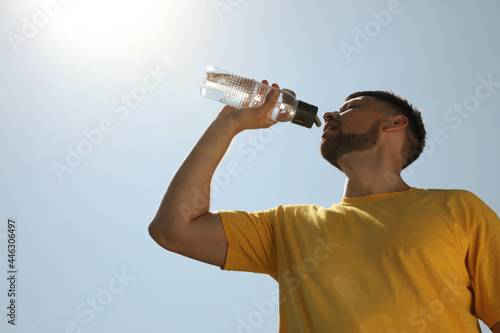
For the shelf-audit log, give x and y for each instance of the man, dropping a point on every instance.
(388, 258)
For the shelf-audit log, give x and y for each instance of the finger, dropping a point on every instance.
(272, 97)
(266, 109)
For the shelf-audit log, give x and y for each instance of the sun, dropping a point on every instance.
(105, 16)
(107, 24)
(126, 33)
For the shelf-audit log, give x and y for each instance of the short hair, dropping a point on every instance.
(415, 134)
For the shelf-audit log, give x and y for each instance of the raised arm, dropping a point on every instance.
(184, 223)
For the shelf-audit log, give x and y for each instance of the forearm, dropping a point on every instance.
(188, 195)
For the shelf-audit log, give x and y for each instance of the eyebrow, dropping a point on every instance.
(347, 104)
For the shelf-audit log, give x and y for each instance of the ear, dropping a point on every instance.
(396, 123)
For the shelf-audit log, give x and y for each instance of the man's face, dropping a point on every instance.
(354, 128)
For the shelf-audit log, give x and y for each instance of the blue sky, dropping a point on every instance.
(100, 104)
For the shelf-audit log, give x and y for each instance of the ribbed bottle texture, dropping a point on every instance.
(241, 92)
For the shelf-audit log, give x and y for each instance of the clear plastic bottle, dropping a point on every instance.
(240, 92)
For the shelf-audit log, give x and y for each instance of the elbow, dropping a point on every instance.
(161, 236)
(156, 233)
(153, 231)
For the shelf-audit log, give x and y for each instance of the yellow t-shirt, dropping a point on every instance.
(412, 261)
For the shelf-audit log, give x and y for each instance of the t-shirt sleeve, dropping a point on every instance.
(251, 242)
(483, 261)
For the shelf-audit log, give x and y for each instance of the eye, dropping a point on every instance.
(347, 108)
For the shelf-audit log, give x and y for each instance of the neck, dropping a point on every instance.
(371, 176)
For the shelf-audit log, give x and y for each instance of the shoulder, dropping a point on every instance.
(294, 213)
(301, 209)
(279, 212)
(458, 201)
(452, 194)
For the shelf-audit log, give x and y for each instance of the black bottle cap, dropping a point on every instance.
(305, 115)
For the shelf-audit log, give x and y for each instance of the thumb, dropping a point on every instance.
(227, 109)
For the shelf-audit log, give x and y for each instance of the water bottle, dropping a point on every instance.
(240, 92)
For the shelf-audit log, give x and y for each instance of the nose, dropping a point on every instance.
(331, 116)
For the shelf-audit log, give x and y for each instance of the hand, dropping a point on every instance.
(256, 117)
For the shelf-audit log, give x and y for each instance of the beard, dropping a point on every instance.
(332, 148)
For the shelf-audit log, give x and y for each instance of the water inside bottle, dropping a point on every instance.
(214, 86)
(240, 92)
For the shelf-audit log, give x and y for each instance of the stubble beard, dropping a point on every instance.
(332, 148)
